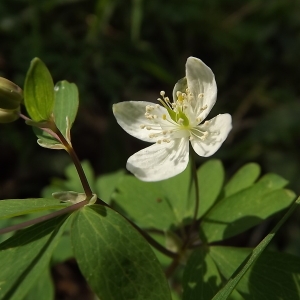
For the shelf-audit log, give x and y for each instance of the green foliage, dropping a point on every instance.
(231, 208)
(66, 101)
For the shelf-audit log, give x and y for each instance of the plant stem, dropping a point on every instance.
(187, 240)
(44, 218)
(197, 196)
(76, 162)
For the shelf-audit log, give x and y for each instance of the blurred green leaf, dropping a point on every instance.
(201, 278)
(43, 288)
(242, 179)
(106, 184)
(17, 207)
(39, 91)
(115, 260)
(72, 181)
(247, 208)
(26, 255)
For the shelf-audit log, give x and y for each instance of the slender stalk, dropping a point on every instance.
(197, 195)
(78, 166)
(44, 218)
(187, 240)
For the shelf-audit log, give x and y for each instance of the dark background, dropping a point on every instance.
(117, 50)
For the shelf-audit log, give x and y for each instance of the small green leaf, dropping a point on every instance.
(39, 91)
(115, 260)
(17, 207)
(242, 179)
(43, 288)
(201, 278)
(245, 209)
(66, 105)
(26, 255)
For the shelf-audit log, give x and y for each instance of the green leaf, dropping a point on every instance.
(115, 260)
(210, 179)
(225, 292)
(66, 105)
(201, 278)
(43, 288)
(155, 204)
(273, 276)
(245, 209)
(26, 255)
(17, 207)
(39, 91)
(242, 179)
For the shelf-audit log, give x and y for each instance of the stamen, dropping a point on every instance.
(143, 126)
(180, 121)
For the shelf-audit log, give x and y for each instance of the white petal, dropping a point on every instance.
(160, 161)
(201, 81)
(218, 129)
(180, 86)
(131, 116)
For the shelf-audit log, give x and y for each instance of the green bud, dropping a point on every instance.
(11, 95)
(9, 115)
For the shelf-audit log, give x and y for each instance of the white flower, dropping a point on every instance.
(172, 125)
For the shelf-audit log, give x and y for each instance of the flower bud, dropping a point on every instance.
(11, 95)
(9, 115)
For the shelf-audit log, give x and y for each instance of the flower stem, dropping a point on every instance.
(197, 195)
(188, 238)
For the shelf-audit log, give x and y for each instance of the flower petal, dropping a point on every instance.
(202, 85)
(131, 117)
(180, 86)
(217, 131)
(160, 161)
